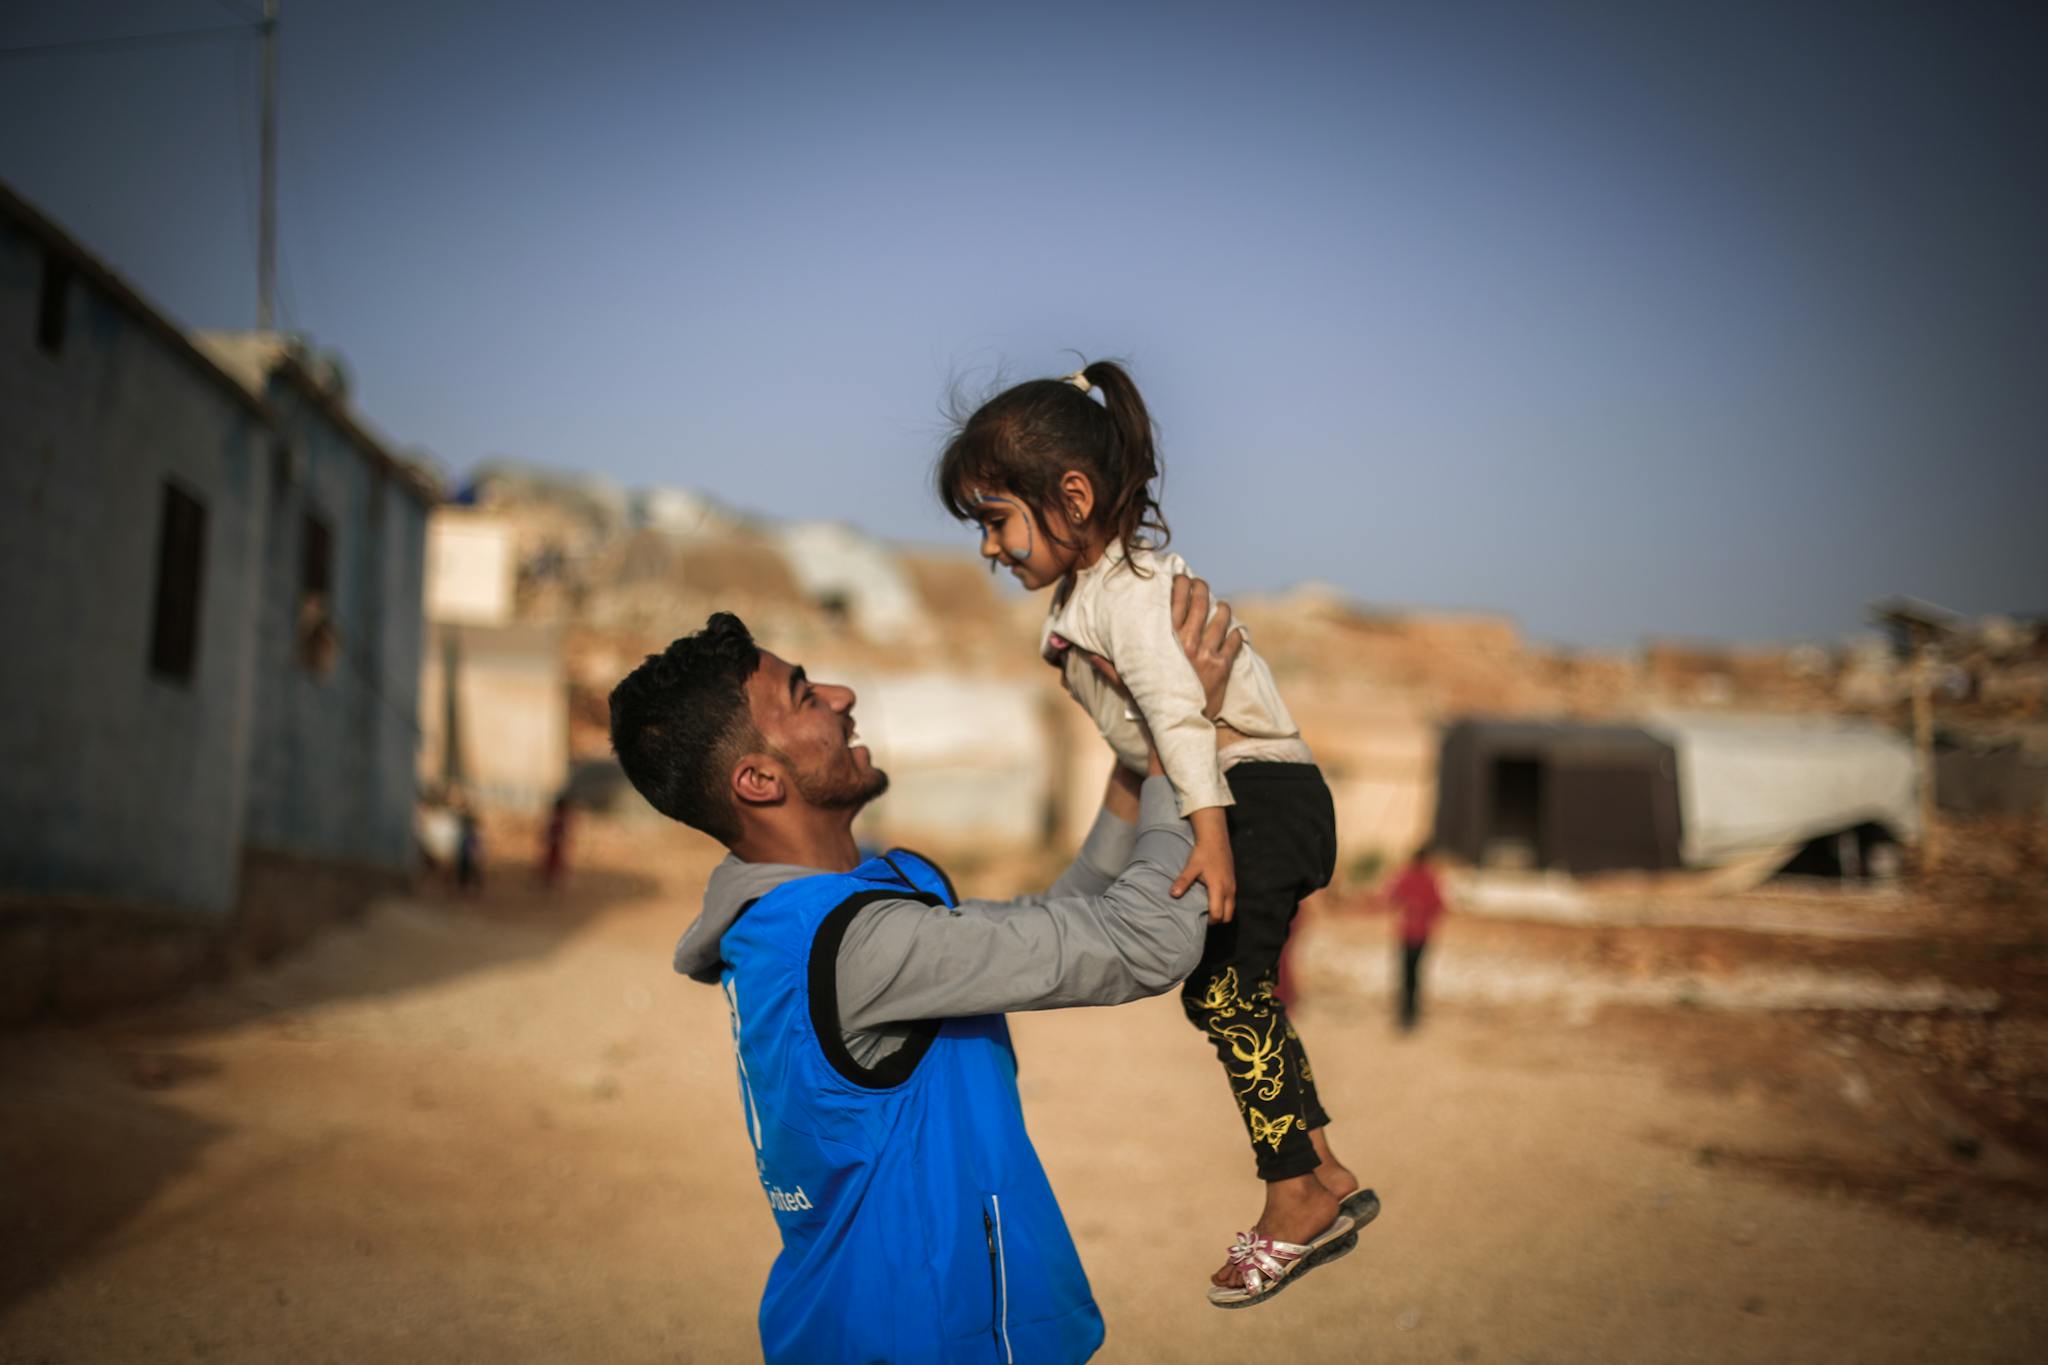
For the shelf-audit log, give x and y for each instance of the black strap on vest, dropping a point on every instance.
(951, 894)
(895, 1068)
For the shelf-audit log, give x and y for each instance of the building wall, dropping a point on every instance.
(331, 770)
(114, 782)
(401, 650)
(967, 758)
(1378, 751)
(470, 568)
(511, 712)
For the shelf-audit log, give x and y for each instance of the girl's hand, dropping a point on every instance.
(1211, 864)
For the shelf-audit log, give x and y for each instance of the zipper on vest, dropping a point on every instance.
(998, 1275)
(995, 1290)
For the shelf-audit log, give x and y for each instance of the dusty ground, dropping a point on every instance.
(503, 1131)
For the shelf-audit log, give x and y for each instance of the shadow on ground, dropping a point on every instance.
(421, 940)
(100, 1096)
(70, 1095)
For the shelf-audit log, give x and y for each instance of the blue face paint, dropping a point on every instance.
(1030, 531)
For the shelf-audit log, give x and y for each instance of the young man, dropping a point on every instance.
(876, 1074)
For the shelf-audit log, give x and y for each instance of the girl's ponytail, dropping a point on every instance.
(1131, 505)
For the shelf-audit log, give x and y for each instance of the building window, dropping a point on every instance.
(180, 573)
(51, 308)
(316, 638)
(282, 474)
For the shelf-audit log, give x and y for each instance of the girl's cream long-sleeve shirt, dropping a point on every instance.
(1121, 608)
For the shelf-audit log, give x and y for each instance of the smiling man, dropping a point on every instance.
(876, 1073)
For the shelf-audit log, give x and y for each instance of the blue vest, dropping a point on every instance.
(917, 1224)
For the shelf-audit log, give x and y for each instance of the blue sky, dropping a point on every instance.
(1686, 319)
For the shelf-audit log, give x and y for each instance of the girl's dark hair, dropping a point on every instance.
(1024, 438)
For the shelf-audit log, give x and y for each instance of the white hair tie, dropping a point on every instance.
(1079, 379)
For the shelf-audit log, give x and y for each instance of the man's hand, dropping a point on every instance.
(1211, 643)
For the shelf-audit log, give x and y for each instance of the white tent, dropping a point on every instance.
(1749, 783)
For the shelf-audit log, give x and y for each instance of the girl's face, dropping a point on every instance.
(1013, 535)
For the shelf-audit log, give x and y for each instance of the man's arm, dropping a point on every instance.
(903, 961)
(1106, 850)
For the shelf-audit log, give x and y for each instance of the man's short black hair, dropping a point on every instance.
(680, 721)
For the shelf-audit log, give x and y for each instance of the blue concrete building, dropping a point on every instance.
(213, 612)
(339, 620)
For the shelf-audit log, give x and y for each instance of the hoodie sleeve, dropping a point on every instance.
(903, 960)
(697, 951)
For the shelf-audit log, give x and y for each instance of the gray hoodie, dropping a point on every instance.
(1108, 931)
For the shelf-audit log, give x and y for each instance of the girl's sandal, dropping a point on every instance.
(1362, 1205)
(1265, 1267)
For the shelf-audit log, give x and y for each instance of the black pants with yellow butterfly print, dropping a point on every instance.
(1283, 839)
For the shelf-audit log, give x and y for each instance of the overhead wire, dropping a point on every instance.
(245, 80)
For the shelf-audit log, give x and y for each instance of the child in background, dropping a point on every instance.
(554, 842)
(1418, 897)
(1061, 485)
(469, 850)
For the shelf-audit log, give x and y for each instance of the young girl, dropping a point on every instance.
(1059, 475)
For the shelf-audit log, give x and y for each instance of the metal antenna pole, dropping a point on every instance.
(266, 262)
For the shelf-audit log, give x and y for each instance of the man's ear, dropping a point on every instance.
(757, 781)
(1077, 497)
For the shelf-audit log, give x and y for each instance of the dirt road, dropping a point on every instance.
(505, 1132)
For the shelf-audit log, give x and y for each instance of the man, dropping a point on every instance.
(876, 1074)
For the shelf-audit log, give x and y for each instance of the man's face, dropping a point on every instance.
(809, 726)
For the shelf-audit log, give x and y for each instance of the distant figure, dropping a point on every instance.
(440, 837)
(1418, 896)
(555, 843)
(469, 852)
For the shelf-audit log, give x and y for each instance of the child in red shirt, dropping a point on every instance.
(1419, 898)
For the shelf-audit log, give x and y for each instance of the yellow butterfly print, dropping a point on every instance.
(1269, 1131)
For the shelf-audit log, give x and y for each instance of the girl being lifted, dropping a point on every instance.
(1060, 474)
